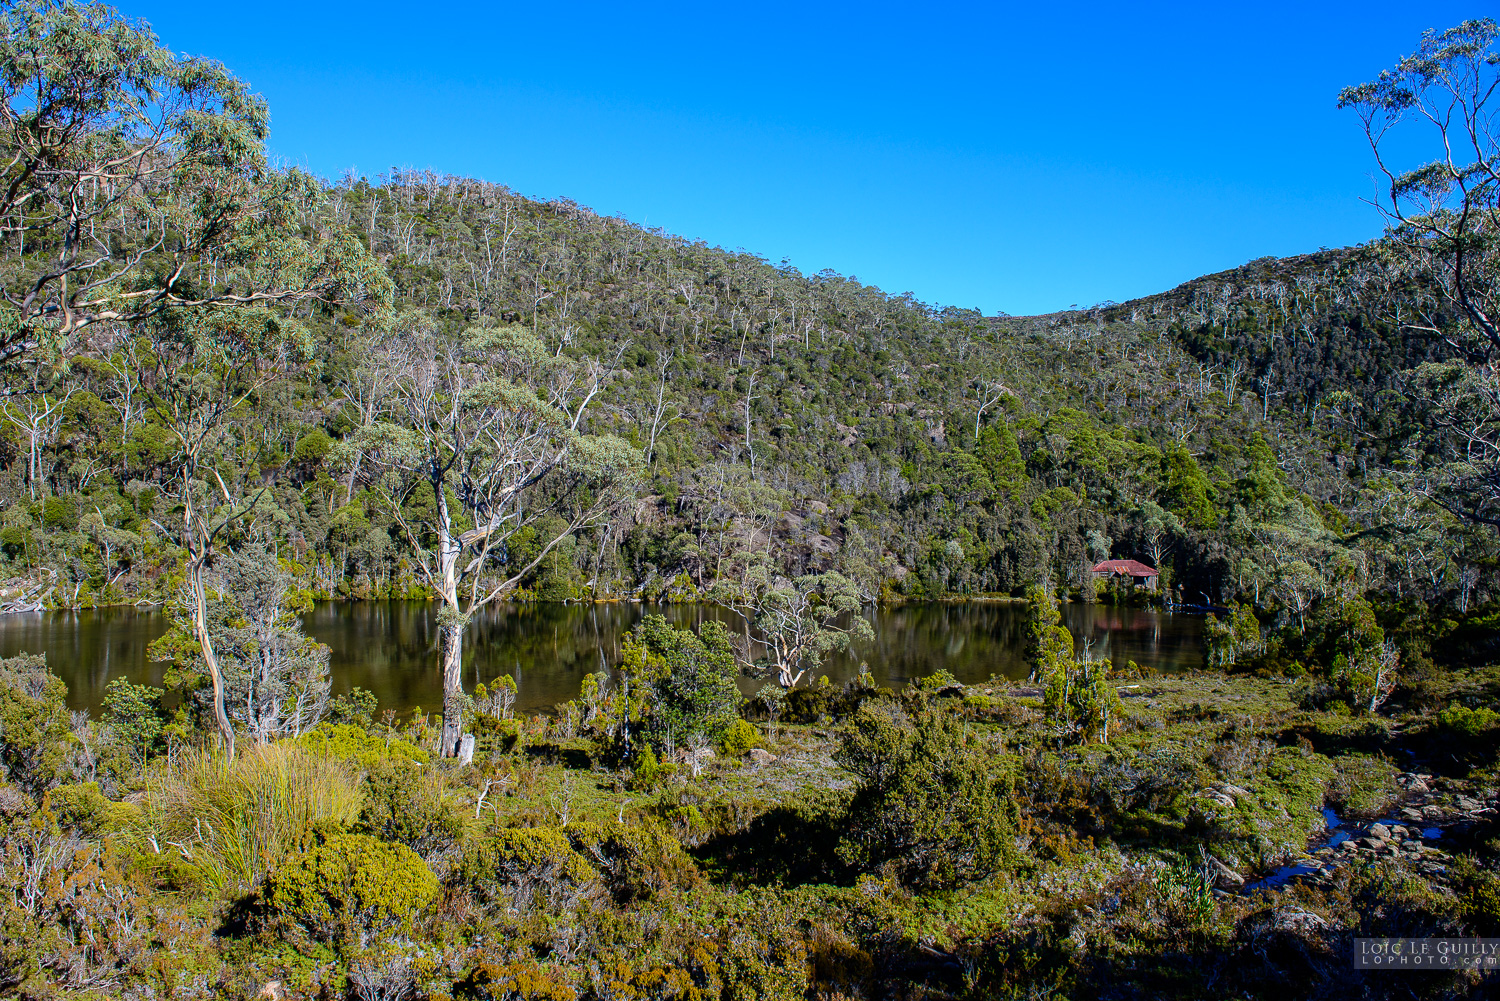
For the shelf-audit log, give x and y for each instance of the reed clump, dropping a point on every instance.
(222, 822)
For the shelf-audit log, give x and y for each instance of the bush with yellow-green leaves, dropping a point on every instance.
(350, 888)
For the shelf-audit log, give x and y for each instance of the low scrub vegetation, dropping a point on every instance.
(938, 841)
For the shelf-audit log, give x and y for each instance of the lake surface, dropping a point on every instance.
(390, 648)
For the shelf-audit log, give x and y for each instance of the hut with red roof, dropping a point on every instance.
(1139, 573)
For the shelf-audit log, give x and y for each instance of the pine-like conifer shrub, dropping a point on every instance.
(932, 805)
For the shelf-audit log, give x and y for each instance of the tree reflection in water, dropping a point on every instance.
(390, 648)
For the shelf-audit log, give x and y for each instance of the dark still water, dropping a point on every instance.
(390, 648)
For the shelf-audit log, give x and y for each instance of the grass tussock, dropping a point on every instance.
(221, 822)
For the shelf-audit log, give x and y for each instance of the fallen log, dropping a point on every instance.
(24, 595)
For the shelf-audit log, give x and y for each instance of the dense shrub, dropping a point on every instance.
(404, 803)
(519, 864)
(356, 709)
(1466, 733)
(135, 718)
(1341, 653)
(1478, 891)
(35, 726)
(1121, 794)
(687, 678)
(350, 888)
(809, 705)
(648, 773)
(1461, 721)
(738, 738)
(348, 742)
(83, 808)
(524, 980)
(931, 805)
(637, 861)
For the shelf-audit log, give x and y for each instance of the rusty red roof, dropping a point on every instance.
(1129, 568)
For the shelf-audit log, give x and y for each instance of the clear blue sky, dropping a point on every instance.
(1017, 157)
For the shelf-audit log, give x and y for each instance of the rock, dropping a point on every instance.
(1225, 876)
(1283, 919)
(1373, 844)
(1379, 831)
(1418, 786)
(1411, 814)
(822, 544)
(1236, 791)
(761, 757)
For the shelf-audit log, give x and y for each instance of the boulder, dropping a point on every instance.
(1379, 831)
(761, 756)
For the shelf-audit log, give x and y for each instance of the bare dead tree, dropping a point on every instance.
(987, 393)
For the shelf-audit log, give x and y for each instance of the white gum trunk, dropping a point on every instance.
(451, 635)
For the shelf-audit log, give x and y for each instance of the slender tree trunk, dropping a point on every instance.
(210, 658)
(451, 632)
(198, 540)
(451, 643)
(349, 490)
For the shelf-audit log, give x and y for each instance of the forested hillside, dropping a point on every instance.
(924, 451)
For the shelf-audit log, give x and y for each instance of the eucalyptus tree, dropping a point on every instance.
(136, 200)
(800, 620)
(486, 439)
(134, 183)
(36, 417)
(205, 373)
(660, 410)
(1441, 251)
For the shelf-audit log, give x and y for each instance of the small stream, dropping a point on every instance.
(1336, 832)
